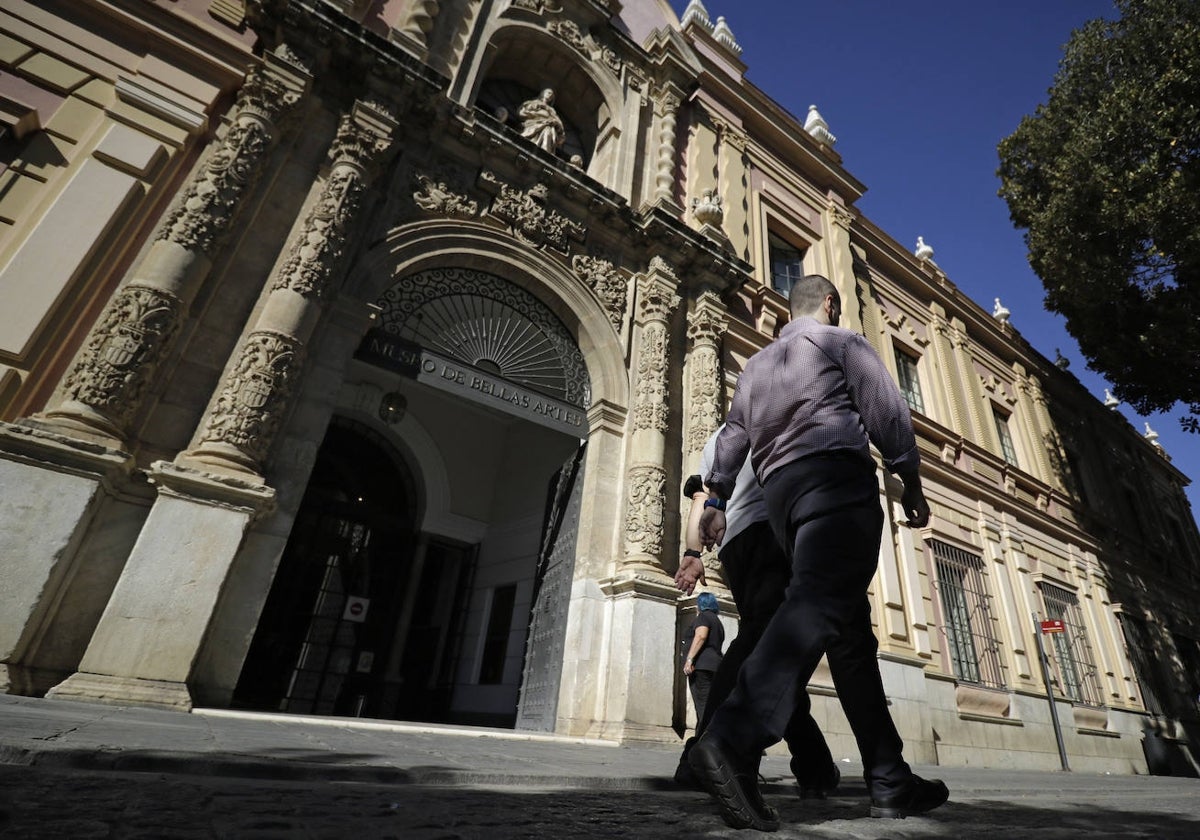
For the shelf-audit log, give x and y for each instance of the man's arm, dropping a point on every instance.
(888, 421)
(691, 568)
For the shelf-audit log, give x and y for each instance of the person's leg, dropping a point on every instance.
(701, 682)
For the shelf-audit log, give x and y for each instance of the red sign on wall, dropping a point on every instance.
(1053, 625)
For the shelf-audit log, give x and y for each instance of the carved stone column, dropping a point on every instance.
(255, 393)
(666, 111)
(706, 323)
(705, 406)
(147, 643)
(646, 482)
(417, 25)
(111, 371)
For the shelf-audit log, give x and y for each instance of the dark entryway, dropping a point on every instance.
(327, 629)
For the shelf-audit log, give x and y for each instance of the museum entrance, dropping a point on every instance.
(327, 628)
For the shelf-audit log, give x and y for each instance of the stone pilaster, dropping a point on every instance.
(255, 393)
(705, 405)
(646, 483)
(666, 112)
(109, 375)
(1035, 418)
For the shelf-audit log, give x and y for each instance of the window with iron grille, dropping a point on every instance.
(967, 624)
(1005, 435)
(1072, 661)
(910, 385)
(1139, 651)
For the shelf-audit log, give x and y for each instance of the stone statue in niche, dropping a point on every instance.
(541, 123)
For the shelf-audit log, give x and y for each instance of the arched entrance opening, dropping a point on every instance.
(473, 443)
(327, 627)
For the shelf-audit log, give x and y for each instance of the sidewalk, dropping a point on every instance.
(76, 769)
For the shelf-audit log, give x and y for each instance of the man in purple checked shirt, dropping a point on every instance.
(807, 408)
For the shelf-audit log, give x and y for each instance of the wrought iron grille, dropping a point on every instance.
(966, 618)
(1072, 662)
(1138, 649)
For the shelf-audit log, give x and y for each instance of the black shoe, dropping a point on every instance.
(734, 786)
(918, 797)
(810, 788)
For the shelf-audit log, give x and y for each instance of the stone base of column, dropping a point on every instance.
(221, 458)
(123, 691)
(75, 419)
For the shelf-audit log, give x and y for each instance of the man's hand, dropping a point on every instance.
(712, 527)
(915, 506)
(689, 667)
(690, 571)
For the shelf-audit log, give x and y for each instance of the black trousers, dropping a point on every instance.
(700, 685)
(758, 570)
(827, 509)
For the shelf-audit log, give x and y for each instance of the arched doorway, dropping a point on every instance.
(327, 628)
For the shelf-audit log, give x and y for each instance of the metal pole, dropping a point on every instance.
(1044, 659)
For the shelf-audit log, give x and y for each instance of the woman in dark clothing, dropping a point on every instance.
(704, 641)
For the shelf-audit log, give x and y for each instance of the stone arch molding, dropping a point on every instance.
(422, 246)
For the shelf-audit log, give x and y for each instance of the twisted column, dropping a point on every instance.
(255, 393)
(646, 488)
(666, 109)
(110, 373)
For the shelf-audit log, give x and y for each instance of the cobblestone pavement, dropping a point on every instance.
(47, 802)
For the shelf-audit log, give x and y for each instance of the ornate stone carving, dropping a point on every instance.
(650, 392)
(320, 245)
(255, 395)
(539, 7)
(569, 32)
(707, 208)
(656, 296)
(839, 215)
(528, 218)
(603, 278)
(436, 197)
(644, 511)
(202, 216)
(123, 350)
(706, 323)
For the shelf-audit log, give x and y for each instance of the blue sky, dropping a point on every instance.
(918, 95)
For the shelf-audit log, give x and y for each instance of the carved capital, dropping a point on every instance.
(123, 350)
(604, 279)
(644, 511)
(656, 293)
(254, 398)
(708, 321)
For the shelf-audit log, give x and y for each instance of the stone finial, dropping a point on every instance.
(1000, 312)
(1110, 401)
(1151, 436)
(696, 13)
(815, 125)
(724, 36)
(923, 252)
(1061, 361)
(707, 208)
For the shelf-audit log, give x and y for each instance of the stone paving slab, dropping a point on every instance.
(70, 769)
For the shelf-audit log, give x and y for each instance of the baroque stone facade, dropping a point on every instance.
(336, 333)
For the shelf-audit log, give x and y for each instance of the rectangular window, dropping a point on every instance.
(1070, 654)
(495, 643)
(1005, 436)
(966, 619)
(910, 385)
(1140, 652)
(787, 263)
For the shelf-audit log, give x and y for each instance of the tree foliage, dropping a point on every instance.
(1105, 180)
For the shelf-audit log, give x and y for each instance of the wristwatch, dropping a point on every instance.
(719, 504)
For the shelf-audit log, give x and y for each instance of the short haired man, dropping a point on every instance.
(807, 408)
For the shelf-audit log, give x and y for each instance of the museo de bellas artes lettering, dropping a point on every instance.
(458, 378)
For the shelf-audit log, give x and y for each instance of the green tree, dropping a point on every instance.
(1105, 180)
